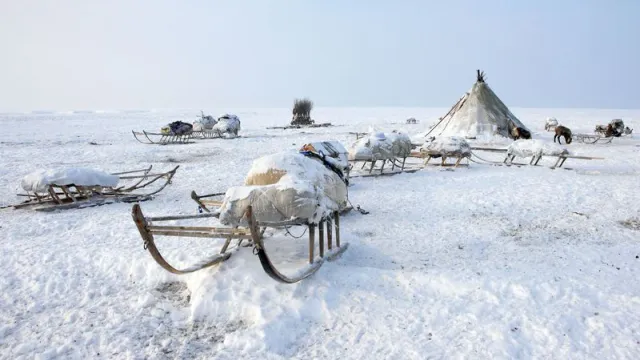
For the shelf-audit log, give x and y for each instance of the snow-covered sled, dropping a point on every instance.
(394, 147)
(445, 147)
(592, 139)
(537, 149)
(280, 191)
(70, 188)
(162, 138)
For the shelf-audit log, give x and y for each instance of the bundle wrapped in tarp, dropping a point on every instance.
(177, 128)
(39, 181)
(204, 123)
(527, 148)
(447, 146)
(333, 150)
(228, 125)
(381, 146)
(285, 186)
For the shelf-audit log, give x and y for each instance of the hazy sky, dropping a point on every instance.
(67, 54)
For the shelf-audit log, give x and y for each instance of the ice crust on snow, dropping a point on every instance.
(284, 186)
(448, 146)
(534, 147)
(39, 181)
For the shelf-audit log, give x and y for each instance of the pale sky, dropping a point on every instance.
(135, 54)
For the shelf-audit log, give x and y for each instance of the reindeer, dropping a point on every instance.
(520, 133)
(565, 132)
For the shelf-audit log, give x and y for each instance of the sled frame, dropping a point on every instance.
(165, 139)
(71, 196)
(592, 139)
(254, 232)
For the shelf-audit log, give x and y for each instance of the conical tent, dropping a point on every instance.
(478, 112)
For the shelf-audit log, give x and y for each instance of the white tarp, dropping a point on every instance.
(204, 123)
(39, 181)
(228, 125)
(526, 148)
(448, 146)
(381, 146)
(285, 186)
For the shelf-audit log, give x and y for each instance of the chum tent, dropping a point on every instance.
(479, 112)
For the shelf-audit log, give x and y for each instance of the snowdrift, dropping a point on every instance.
(285, 186)
(526, 148)
(39, 181)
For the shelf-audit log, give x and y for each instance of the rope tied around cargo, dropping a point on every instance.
(328, 164)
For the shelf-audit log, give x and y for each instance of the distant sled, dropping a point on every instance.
(63, 189)
(226, 127)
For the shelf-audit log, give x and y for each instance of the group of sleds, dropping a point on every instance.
(226, 126)
(305, 187)
(603, 134)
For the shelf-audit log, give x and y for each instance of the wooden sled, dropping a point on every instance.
(428, 155)
(373, 171)
(558, 164)
(253, 233)
(70, 196)
(592, 139)
(162, 139)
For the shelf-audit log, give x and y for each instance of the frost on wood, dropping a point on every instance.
(39, 181)
(284, 186)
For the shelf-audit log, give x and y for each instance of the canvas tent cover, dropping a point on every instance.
(478, 113)
(39, 181)
(285, 186)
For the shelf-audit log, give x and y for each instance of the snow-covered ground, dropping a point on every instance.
(484, 262)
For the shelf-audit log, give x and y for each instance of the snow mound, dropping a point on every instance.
(448, 146)
(39, 181)
(526, 148)
(381, 146)
(285, 186)
(228, 125)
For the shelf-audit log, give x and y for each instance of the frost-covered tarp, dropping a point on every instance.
(228, 125)
(204, 123)
(447, 146)
(39, 181)
(526, 148)
(334, 150)
(284, 186)
(381, 146)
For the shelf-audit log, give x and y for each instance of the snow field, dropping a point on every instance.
(480, 262)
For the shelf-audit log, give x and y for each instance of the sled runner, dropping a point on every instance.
(162, 138)
(592, 139)
(80, 188)
(253, 232)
